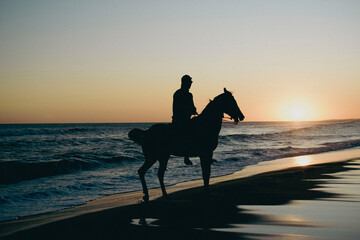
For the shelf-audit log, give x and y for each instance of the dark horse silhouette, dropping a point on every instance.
(162, 140)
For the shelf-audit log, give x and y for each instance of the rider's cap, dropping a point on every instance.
(186, 79)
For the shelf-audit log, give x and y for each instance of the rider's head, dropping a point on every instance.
(186, 82)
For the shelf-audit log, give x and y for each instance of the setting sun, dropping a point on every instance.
(298, 111)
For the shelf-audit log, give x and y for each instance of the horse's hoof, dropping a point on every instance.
(146, 198)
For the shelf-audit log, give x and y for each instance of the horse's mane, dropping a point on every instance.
(212, 103)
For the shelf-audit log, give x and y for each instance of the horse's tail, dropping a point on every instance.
(137, 135)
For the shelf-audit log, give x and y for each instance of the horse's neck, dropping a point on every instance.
(212, 115)
(213, 109)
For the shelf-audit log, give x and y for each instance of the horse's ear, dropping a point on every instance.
(225, 91)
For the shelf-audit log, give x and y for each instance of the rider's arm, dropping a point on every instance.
(193, 112)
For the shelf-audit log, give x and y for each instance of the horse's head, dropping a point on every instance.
(231, 108)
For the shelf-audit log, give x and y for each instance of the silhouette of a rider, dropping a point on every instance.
(183, 109)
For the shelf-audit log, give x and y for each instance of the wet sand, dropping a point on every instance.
(282, 199)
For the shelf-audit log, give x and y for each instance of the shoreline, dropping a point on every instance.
(119, 202)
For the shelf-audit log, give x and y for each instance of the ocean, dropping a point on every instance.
(48, 167)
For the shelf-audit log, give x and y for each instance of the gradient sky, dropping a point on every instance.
(121, 61)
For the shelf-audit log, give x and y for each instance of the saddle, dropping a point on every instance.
(182, 137)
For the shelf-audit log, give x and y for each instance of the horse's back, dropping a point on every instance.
(169, 139)
(158, 134)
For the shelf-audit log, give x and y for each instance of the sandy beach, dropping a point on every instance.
(307, 197)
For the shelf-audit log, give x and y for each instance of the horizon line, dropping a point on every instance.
(325, 120)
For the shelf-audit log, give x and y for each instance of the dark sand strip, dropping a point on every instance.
(251, 204)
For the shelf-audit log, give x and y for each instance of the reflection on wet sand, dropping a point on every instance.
(303, 161)
(331, 217)
(307, 202)
(284, 205)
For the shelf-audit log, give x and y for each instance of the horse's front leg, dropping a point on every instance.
(206, 161)
(163, 163)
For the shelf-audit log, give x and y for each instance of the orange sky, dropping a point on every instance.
(111, 61)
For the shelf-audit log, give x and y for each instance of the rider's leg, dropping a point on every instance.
(187, 142)
(181, 128)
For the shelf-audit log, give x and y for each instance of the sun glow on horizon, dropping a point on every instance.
(298, 111)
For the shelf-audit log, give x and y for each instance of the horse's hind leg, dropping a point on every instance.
(163, 163)
(205, 161)
(142, 171)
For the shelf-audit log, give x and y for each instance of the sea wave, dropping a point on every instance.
(15, 171)
(324, 131)
(73, 161)
(266, 154)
